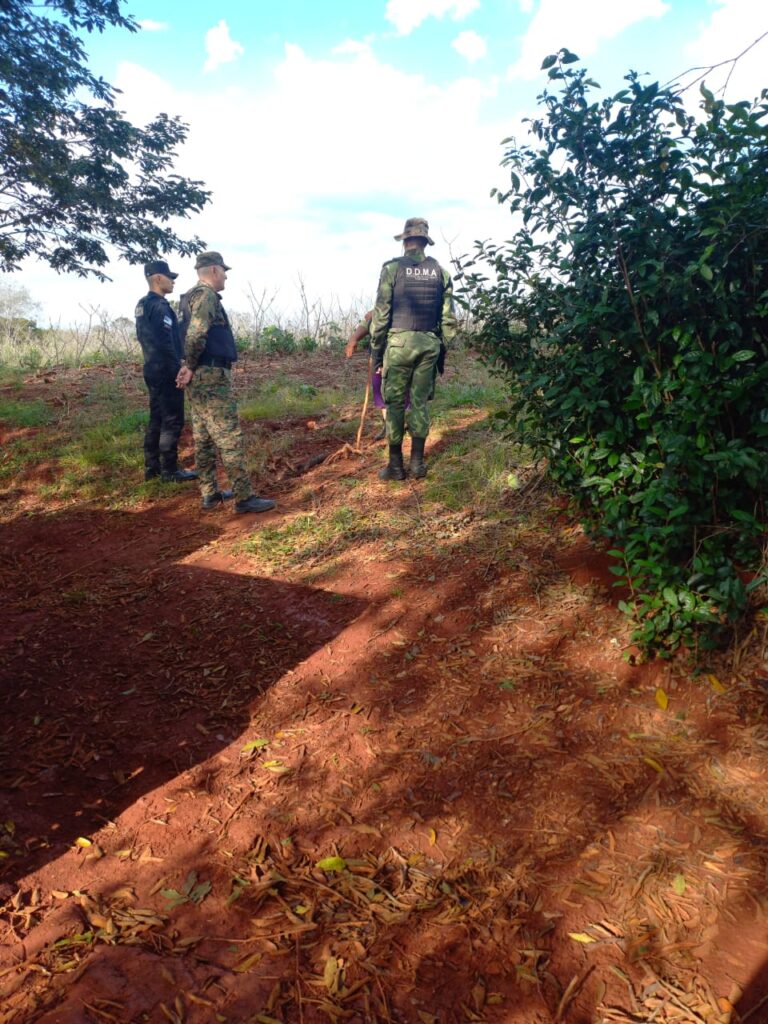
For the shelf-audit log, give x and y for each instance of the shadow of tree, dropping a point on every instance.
(480, 767)
(131, 667)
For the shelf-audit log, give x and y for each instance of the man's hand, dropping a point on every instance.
(441, 359)
(183, 377)
(349, 351)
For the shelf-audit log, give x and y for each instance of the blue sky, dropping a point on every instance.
(320, 128)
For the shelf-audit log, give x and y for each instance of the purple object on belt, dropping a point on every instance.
(378, 398)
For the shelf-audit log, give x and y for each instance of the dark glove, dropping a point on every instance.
(441, 359)
(378, 358)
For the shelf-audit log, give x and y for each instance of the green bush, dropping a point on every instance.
(275, 341)
(629, 313)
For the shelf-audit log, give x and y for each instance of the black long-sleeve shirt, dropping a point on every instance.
(157, 329)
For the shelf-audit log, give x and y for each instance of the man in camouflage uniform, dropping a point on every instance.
(158, 332)
(412, 318)
(210, 354)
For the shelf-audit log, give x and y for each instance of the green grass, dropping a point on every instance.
(11, 376)
(460, 394)
(476, 472)
(470, 385)
(17, 413)
(286, 397)
(310, 536)
(103, 456)
(21, 453)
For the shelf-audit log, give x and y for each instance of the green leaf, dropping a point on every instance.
(548, 62)
(743, 355)
(253, 745)
(678, 884)
(200, 891)
(331, 864)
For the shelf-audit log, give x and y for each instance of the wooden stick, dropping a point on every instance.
(365, 403)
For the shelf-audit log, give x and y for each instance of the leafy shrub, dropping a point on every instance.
(629, 313)
(275, 341)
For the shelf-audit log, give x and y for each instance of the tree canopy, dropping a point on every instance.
(76, 177)
(630, 312)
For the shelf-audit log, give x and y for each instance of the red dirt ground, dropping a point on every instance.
(528, 829)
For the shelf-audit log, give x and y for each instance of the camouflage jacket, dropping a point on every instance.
(382, 314)
(206, 309)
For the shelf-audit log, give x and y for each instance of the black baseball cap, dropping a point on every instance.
(158, 267)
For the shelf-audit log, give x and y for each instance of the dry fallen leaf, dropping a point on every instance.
(662, 699)
(581, 937)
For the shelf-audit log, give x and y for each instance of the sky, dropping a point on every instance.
(321, 127)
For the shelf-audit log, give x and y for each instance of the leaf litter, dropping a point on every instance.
(485, 815)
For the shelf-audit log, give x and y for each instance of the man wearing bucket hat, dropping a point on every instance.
(412, 317)
(157, 330)
(210, 355)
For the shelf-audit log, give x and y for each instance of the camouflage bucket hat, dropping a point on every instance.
(210, 259)
(415, 227)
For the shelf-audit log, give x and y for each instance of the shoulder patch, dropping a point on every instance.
(139, 311)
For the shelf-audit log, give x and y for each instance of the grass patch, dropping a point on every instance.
(24, 453)
(478, 471)
(310, 536)
(94, 460)
(288, 397)
(15, 413)
(462, 394)
(11, 376)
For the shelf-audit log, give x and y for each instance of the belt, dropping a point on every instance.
(220, 361)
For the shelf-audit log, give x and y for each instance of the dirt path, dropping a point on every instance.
(404, 776)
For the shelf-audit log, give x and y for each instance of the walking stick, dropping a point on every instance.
(365, 403)
(347, 449)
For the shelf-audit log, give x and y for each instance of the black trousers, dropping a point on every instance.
(166, 420)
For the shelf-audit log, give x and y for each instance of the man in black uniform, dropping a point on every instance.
(158, 332)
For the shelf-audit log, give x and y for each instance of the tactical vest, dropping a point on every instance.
(417, 297)
(220, 341)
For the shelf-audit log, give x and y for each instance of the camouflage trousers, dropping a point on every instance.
(409, 367)
(215, 425)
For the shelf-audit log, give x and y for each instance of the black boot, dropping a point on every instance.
(394, 470)
(178, 476)
(211, 501)
(417, 466)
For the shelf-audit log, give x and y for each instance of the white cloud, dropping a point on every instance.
(352, 46)
(407, 15)
(470, 46)
(153, 26)
(314, 200)
(579, 26)
(220, 47)
(526, 6)
(733, 25)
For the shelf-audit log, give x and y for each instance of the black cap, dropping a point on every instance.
(158, 267)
